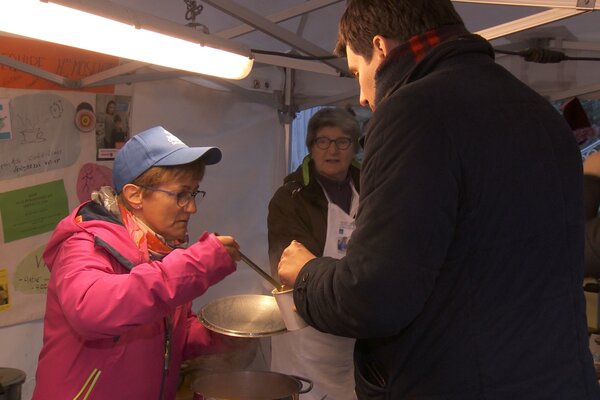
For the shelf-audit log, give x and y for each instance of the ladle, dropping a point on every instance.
(260, 271)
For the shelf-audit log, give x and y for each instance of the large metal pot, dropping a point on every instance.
(250, 385)
(11, 380)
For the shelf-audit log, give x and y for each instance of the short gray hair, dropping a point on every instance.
(343, 118)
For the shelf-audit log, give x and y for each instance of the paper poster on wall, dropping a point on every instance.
(44, 136)
(5, 130)
(4, 295)
(112, 124)
(69, 62)
(32, 274)
(85, 118)
(92, 177)
(33, 210)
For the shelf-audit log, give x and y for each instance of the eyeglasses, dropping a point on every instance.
(341, 143)
(183, 198)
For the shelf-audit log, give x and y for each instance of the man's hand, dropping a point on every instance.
(591, 165)
(293, 258)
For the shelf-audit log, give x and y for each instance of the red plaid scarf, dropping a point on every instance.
(418, 46)
(407, 55)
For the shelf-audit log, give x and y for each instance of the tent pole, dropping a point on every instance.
(288, 117)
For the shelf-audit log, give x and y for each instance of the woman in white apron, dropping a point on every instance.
(316, 206)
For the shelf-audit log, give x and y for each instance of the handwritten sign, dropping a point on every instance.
(92, 177)
(68, 62)
(44, 136)
(34, 210)
(32, 274)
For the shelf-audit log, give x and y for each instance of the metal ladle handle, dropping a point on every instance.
(260, 271)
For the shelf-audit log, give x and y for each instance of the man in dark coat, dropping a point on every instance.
(463, 278)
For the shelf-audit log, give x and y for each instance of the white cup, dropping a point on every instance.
(285, 302)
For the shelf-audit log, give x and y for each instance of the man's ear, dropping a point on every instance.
(132, 195)
(382, 45)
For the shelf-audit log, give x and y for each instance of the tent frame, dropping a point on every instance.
(128, 71)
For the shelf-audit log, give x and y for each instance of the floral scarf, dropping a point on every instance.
(152, 245)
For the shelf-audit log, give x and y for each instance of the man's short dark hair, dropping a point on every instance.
(393, 19)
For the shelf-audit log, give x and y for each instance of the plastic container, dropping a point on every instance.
(285, 301)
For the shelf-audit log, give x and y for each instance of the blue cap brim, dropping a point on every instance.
(185, 155)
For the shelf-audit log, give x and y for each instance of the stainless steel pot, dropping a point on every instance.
(250, 385)
(11, 380)
(245, 315)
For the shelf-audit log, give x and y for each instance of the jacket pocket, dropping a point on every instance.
(88, 385)
(371, 379)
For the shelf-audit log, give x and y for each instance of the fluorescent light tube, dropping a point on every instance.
(71, 27)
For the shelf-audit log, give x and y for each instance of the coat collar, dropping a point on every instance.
(421, 53)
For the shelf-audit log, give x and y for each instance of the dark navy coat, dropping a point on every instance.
(463, 278)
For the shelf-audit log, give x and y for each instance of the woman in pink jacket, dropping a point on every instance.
(118, 319)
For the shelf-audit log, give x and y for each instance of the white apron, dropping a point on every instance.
(325, 359)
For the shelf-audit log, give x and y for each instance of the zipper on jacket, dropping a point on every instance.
(91, 381)
(168, 324)
(168, 329)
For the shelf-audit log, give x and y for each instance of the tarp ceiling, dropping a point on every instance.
(319, 28)
(309, 27)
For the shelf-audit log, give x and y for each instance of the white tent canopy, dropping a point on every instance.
(310, 27)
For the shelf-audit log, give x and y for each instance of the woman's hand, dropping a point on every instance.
(232, 247)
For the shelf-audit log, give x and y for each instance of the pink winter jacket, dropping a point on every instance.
(104, 327)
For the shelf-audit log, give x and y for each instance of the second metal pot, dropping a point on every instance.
(11, 380)
(250, 385)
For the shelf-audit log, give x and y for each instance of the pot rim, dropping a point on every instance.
(244, 385)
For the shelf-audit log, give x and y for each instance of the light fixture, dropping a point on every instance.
(105, 27)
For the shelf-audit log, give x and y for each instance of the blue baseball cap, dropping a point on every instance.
(156, 147)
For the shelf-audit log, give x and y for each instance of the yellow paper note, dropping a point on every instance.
(4, 295)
